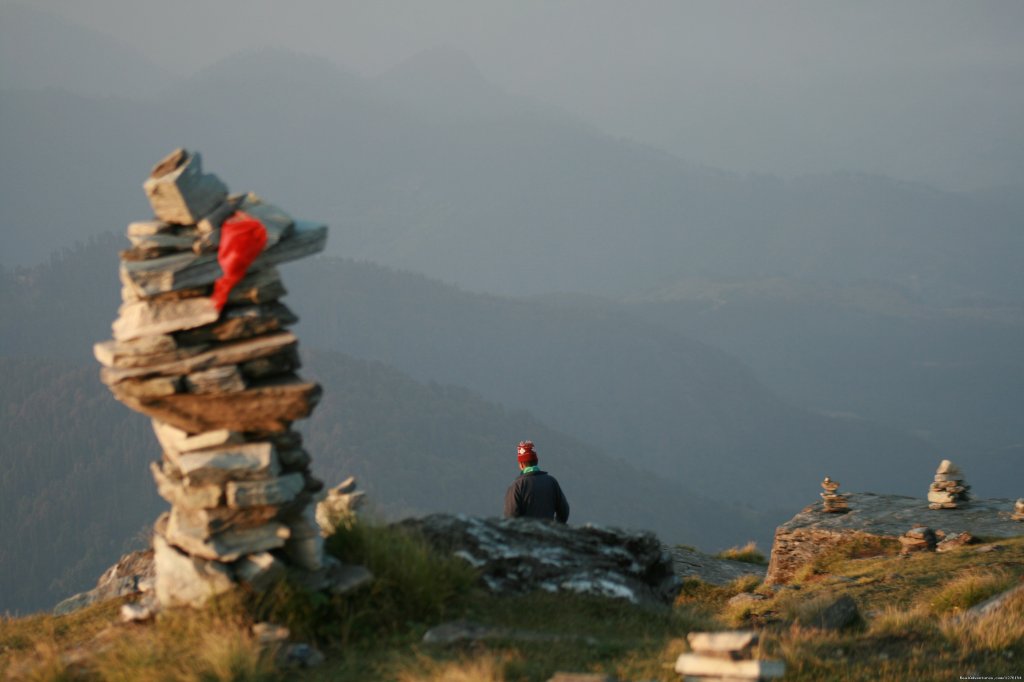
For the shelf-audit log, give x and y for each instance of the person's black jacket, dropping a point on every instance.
(537, 495)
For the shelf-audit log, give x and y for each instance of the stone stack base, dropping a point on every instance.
(725, 656)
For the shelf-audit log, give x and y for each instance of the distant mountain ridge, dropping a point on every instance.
(429, 169)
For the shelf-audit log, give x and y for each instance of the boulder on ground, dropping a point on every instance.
(515, 556)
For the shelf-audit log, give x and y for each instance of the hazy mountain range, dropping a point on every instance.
(692, 350)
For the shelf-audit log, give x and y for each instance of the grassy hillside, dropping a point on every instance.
(913, 625)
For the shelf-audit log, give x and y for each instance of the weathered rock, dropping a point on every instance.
(132, 574)
(227, 546)
(721, 668)
(180, 192)
(143, 318)
(338, 507)
(183, 580)
(271, 406)
(277, 223)
(521, 555)
(186, 271)
(1018, 510)
(840, 613)
(246, 461)
(221, 355)
(210, 521)
(808, 534)
(274, 492)
(259, 572)
(212, 221)
(149, 228)
(182, 494)
(122, 355)
(954, 542)
(690, 563)
(242, 322)
(218, 380)
(733, 644)
(300, 656)
(173, 439)
(262, 286)
(305, 545)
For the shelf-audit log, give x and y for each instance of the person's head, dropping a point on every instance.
(527, 457)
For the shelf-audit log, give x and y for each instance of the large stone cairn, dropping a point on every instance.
(949, 489)
(832, 502)
(221, 388)
(725, 656)
(1018, 510)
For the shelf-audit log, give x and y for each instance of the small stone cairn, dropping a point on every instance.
(832, 502)
(1018, 510)
(948, 490)
(918, 539)
(221, 389)
(725, 656)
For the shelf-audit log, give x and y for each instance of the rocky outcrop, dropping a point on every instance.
(132, 574)
(515, 556)
(811, 533)
(690, 563)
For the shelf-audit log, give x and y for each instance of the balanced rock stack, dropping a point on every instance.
(831, 501)
(1018, 510)
(948, 490)
(918, 539)
(725, 656)
(202, 347)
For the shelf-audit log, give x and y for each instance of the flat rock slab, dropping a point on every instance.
(271, 408)
(690, 563)
(811, 532)
(516, 556)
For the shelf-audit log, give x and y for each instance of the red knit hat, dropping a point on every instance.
(526, 453)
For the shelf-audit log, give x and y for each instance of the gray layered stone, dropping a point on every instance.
(186, 271)
(278, 224)
(144, 318)
(180, 192)
(273, 492)
(261, 286)
(181, 494)
(225, 354)
(220, 380)
(245, 461)
(522, 555)
(176, 440)
(226, 546)
(260, 571)
(130, 355)
(183, 580)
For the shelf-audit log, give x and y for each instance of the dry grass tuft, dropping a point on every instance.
(969, 588)
(748, 553)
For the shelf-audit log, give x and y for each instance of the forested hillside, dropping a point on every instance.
(77, 492)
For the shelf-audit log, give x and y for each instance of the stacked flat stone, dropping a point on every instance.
(918, 539)
(220, 387)
(831, 501)
(1018, 510)
(725, 656)
(948, 490)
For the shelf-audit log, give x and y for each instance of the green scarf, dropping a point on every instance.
(530, 470)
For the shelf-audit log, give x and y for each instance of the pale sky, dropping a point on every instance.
(927, 90)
